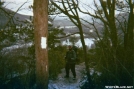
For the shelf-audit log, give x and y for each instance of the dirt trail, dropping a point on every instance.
(68, 83)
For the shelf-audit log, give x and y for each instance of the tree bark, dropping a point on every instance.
(40, 11)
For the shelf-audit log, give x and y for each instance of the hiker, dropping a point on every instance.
(70, 62)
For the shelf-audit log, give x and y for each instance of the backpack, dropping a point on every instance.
(76, 51)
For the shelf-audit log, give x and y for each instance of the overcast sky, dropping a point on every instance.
(15, 4)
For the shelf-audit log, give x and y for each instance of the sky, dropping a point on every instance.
(15, 4)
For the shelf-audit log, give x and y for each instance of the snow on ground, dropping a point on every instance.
(68, 83)
(17, 46)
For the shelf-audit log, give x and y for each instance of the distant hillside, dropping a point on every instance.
(7, 15)
(64, 23)
(69, 27)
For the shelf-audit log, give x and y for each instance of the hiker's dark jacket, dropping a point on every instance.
(70, 56)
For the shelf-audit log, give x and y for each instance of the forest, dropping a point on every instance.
(25, 63)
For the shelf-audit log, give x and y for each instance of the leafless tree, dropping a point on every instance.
(105, 12)
(70, 9)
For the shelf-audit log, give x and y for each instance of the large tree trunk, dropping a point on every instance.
(40, 11)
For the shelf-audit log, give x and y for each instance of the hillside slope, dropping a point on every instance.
(7, 15)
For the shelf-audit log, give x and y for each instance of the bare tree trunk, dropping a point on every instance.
(84, 49)
(40, 11)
